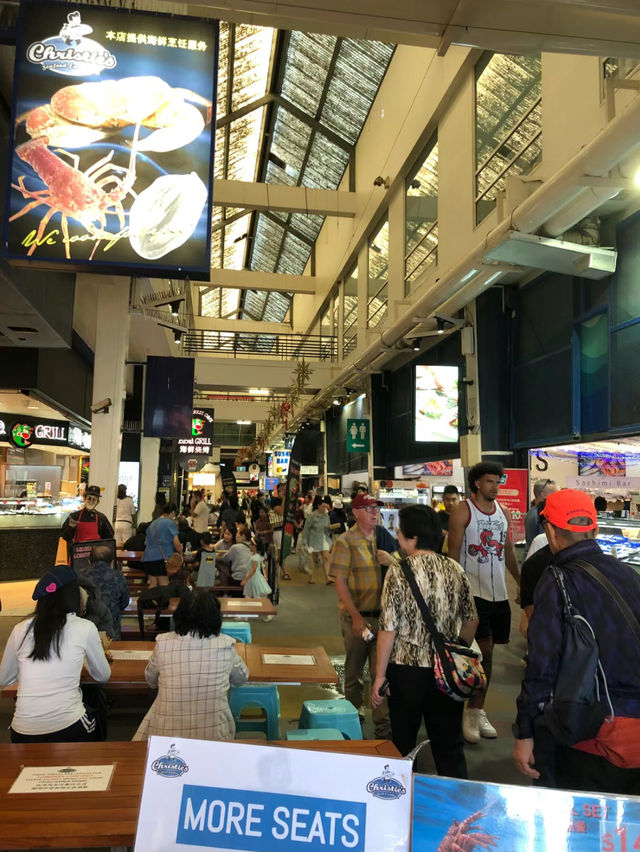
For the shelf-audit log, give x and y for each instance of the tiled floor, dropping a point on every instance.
(307, 615)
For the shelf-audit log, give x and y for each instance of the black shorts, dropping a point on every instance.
(494, 620)
(156, 568)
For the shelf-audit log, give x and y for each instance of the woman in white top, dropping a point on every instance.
(192, 669)
(45, 654)
(125, 510)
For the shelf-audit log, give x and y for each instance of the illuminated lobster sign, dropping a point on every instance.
(112, 155)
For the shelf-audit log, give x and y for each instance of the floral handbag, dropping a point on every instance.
(457, 668)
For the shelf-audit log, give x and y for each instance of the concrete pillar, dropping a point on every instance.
(363, 292)
(149, 459)
(340, 327)
(395, 286)
(112, 342)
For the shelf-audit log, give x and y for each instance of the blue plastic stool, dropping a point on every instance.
(334, 713)
(265, 696)
(239, 630)
(315, 734)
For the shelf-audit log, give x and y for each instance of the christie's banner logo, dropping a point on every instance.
(70, 53)
(386, 786)
(170, 765)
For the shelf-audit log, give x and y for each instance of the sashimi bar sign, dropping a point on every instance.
(112, 149)
(24, 432)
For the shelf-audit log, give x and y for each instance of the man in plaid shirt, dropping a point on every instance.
(358, 577)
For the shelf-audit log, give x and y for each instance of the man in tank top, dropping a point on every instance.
(480, 540)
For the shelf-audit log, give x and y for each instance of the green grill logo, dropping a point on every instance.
(22, 434)
(197, 426)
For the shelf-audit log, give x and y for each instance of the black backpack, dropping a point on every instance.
(580, 700)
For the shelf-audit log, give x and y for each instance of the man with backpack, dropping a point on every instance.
(578, 723)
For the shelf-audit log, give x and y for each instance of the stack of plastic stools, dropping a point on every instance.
(263, 695)
(238, 630)
(315, 734)
(334, 713)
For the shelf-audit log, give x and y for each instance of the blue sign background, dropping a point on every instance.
(271, 831)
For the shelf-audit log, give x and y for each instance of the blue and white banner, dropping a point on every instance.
(248, 798)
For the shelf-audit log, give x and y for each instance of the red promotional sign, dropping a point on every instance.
(513, 496)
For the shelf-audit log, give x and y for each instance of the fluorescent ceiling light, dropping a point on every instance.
(259, 391)
(243, 422)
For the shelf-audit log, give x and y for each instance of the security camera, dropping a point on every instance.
(102, 407)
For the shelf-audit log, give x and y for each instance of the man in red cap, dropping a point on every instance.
(355, 567)
(610, 762)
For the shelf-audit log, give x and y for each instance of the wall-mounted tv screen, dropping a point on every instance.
(168, 397)
(436, 404)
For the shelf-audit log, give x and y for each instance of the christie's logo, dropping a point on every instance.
(386, 786)
(170, 765)
(70, 53)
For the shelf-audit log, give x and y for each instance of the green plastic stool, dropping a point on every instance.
(334, 713)
(238, 630)
(315, 734)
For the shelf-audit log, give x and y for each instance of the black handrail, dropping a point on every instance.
(240, 344)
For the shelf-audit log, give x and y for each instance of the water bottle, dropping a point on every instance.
(187, 549)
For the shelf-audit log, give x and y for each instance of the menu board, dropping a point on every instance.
(436, 404)
(111, 158)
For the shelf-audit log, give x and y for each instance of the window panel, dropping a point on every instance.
(378, 275)
(421, 217)
(508, 123)
(625, 377)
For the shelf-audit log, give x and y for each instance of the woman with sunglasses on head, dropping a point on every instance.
(45, 654)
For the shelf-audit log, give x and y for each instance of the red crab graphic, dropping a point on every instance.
(462, 836)
(487, 545)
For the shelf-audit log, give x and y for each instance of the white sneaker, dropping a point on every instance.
(485, 727)
(470, 725)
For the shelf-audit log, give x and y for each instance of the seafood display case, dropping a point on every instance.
(620, 537)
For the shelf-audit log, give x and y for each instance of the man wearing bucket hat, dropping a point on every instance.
(609, 762)
(87, 524)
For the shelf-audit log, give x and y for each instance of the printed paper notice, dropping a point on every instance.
(243, 604)
(131, 655)
(63, 779)
(289, 659)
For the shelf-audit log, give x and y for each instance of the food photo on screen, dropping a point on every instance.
(112, 145)
(436, 404)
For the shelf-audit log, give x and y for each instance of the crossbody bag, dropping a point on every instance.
(580, 702)
(457, 668)
(174, 563)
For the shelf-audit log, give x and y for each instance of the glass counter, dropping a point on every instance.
(35, 512)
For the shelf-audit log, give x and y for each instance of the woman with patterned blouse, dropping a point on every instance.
(405, 651)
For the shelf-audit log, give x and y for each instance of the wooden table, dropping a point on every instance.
(128, 556)
(286, 672)
(246, 607)
(234, 607)
(128, 675)
(109, 818)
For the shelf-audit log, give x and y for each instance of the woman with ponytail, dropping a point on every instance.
(45, 654)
